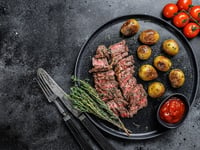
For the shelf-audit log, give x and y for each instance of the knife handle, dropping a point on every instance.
(76, 133)
(95, 133)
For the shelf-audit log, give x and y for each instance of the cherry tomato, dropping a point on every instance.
(181, 19)
(169, 10)
(195, 12)
(184, 4)
(191, 30)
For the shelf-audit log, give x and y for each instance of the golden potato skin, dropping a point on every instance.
(171, 47)
(176, 78)
(156, 89)
(130, 27)
(144, 52)
(162, 63)
(149, 37)
(147, 72)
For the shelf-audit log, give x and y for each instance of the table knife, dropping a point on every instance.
(91, 128)
(69, 120)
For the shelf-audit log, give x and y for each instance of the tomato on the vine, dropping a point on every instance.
(184, 4)
(195, 12)
(181, 19)
(169, 10)
(191, 30)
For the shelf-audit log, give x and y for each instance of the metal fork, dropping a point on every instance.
(69, 120)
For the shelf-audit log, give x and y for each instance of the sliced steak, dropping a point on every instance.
(124, 68)
(105, 81)
(113, 73)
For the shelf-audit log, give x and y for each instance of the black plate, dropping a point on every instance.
(144, 125)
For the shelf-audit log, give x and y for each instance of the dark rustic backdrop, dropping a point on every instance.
(49, 34)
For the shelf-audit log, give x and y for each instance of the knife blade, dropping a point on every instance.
(91, 128)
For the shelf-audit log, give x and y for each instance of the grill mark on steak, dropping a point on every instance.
(113, 73)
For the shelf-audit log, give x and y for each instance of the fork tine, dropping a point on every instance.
(46, 86)
(39, 71)
(42, 74)
(45, 90)
(42, 87)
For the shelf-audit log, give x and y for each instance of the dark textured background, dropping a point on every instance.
(49, 34)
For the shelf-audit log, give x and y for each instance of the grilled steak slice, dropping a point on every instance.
(138, 99)
(108, 87)
(102, 52)
(108, 75)
(118, 48)
(100, 64)
(118, 108)
(117, 58)
(106, 84)
(125, 75)
(118, 51)
(123, 64)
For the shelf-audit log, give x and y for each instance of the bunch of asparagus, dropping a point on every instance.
(85, 98)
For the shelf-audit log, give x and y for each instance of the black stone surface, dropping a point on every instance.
(49, 34)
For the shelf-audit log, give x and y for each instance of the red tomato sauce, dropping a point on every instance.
(172, 111)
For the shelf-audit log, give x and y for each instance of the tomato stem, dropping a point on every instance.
(194, 28)
(190, 6)
(196, 21)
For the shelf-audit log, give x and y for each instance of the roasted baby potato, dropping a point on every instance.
(176, 78)
(147, 72)
(170, 47)
(156, 89)
(162, 63)
(130, 27)
(144, 52)
(149, 37)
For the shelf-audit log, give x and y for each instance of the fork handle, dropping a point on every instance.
(95, 133)
(76, 133)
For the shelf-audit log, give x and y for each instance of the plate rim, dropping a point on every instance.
(196, 70)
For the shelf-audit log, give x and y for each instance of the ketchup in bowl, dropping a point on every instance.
(173, 110)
